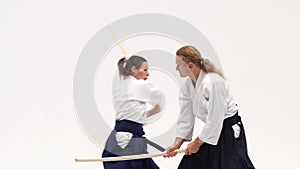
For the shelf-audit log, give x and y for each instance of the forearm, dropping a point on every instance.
(199, 141)
(178, 142)
(153, 111)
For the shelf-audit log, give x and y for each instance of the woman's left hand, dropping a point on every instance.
(193, 147)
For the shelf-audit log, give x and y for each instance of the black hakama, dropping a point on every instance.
(229, 153)
(137, 145)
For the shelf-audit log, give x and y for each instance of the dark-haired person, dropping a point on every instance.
(205, 95)
(131, 97)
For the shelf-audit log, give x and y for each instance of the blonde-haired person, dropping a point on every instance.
(131, 96)
(205, 95)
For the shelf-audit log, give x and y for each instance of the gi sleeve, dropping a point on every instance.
(186, 118)
(216, 106)
(140, 90)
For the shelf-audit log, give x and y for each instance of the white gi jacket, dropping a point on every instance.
(209, 100)
(132, 100)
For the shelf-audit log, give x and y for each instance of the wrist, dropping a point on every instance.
(178, 142)
(198, 141)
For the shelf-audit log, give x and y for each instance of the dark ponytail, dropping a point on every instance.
(121, 66)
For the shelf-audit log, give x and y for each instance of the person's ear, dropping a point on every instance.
(134, 70)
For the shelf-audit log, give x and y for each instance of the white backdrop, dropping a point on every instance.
(40, 41)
